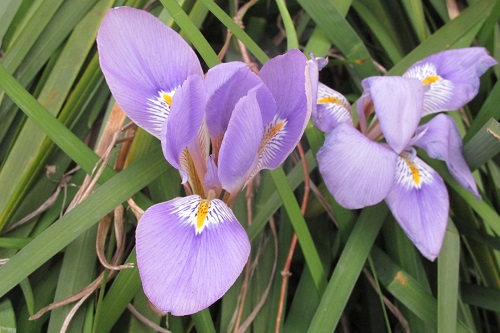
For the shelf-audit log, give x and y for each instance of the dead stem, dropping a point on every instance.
(393, 308)
(244, 286)
(47, 204)
(138, 211)
(102, 232)
(104, 149)
(251, 317)
(286, 269)
(323, 202)
(453, 10)
(146, 320)
(72, 313)
(238, 19)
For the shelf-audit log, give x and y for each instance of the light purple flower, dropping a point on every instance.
(376, 162)
(452, 77)
(218, 130)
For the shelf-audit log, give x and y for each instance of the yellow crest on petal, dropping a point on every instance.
(203, 208)
(431, 79)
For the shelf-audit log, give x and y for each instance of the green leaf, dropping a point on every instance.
(407, 290)
(300, 227)
(448, 273)
(7, 317)
(81, 218)
(348, 268)
(484, 145)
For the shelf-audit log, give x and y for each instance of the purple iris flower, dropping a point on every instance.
(218, 130)
(376, 161)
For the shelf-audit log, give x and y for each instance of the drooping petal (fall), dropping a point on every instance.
(239, 149)
(452, 77)
(442, 141)
(144, 62)
(398, 104)
(287, 77)
(419, 202)
(189, 252)
(226, 84)
(332, 108)
(184, 124)
(358, 172)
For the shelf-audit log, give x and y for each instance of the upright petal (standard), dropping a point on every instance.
(183, 126)
(240, 146)
(293, 95)
(398, 104)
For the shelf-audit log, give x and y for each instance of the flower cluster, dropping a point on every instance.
(218, 130)
(377, 160)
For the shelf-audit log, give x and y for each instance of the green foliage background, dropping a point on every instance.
(355, 271)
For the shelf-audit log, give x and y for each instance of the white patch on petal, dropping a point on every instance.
(332, 108)
(412, 172)
(328, 95)
(440, 89)
(202, 213)
(421, 72)
(159, 108)
(272, 140)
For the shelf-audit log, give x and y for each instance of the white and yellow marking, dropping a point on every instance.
(159, 108)
(327, 95)
(412, 172)
(202, 213)
(440, 89)
(203, 209)
(271, 139)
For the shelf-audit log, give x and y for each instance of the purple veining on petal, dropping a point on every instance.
(332, 108)
(452, 75)
(226, 84)
(239, 149)
(398, 104)
(357, 171)
(182, 270)
(442, 141)
(142, 59)
(287, 77)
(184, 123)
(419, 202)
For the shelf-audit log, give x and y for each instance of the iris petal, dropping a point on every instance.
(239, 149)
(357, 171)
(226, 84)
(332, 108)
(184, 123)
(144, 62)
(452, 76)
(184, 269)
(419, 202)
(293, 95)
(398, 105)
(442, 141)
